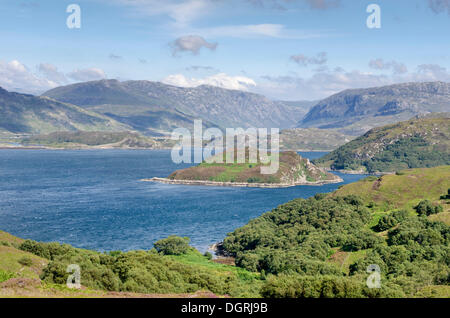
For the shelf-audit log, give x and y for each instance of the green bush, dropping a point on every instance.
(391, 220)
(173, 245)
(25, 261)
(208, 255)
(425, 208)
(5, 275)
(446, 196)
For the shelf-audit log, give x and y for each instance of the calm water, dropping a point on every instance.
(93, 199)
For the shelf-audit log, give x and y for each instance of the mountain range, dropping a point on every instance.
(355, 111)
(154, 108)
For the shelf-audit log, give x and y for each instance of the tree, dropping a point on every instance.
(173, 245)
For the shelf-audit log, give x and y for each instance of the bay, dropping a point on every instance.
(93, 199)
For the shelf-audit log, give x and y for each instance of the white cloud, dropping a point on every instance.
(257, 31)
(181, 13)
(88, 74)
(319, 59)
(380, 64)
(15, 76)
(51, 72)
(191, 43)
(221, 80)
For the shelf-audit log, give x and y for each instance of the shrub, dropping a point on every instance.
(425, 208)
(5, 275)
(391, 220)
(25, 261)
(173, 245)
(208, 255)
(446, 196)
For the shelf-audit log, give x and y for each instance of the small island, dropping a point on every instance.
(293, 170)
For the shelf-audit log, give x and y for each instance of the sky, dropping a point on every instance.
(283, 49)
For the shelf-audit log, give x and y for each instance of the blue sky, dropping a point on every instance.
(291, 50)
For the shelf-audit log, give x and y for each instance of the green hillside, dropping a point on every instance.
(293, 169)
(322, 246)
(416, 143)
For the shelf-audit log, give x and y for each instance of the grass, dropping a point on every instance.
(10, 261)
(196, 258)
(401, 191)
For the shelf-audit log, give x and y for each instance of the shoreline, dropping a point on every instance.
(239, 184)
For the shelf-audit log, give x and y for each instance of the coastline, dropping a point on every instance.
(239, 184)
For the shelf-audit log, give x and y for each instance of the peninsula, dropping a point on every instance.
(293, 170)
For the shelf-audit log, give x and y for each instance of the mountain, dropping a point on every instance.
(22, 113)
(356, 111)
(157, 108)
(419, 142)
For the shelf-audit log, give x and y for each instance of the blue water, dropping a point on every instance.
(93, 199)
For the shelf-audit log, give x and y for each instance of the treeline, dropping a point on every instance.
(151, 271)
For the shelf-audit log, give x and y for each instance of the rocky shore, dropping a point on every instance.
(239, 184)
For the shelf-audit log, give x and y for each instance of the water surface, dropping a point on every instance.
(93, 199)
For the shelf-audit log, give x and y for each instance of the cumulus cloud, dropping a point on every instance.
(51, 72)
(438, 6)
(191, 43)
(396, 67)
(15, 76)
(221, 80)
(319, 59)
(88, 74)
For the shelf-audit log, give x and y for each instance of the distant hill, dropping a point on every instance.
(419, 142)
(355, 111)
(22, 113)
(95, 139)
(312, 139)
(156, 108)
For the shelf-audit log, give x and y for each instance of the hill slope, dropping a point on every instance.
(357, 110)
(152, 107)
(22, 113)
(312, 139)
(420, 142)
(323, 246)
